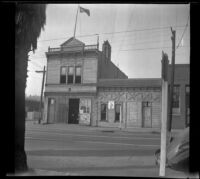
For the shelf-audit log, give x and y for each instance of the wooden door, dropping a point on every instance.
(117, 112)
(147, 120)
(73, 117)
(62, 110)
(51, 110)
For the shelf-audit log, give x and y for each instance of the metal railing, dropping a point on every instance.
(90, 47)
(73, 48)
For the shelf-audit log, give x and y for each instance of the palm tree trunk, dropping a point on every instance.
(20, 85)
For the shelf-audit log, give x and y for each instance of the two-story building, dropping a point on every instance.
(83, 86)
(73, 71)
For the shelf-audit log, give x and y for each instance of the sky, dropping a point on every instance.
(138, 33)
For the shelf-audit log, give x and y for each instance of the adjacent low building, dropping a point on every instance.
(83, 86)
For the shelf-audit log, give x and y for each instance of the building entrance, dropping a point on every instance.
(51, 110)
(73, 111)
(146, 113)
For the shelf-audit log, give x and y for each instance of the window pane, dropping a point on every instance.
(70, 79)
(117, 108)
(78, 79)
(63, 75)
(103, 112)
(63, 70)
(103, 108)
(71, 71)
(63, 79)
(176, 97)
(78, 71)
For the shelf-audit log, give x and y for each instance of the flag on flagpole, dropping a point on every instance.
(87, 11)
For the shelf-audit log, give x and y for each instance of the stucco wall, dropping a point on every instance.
(131, 102)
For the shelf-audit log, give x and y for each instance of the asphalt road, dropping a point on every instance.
(81, 151)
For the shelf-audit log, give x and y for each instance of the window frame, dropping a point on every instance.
(120, 105)
(63, 75)
(176, 110)
(70, 75)
(106, 119)
(187, 105)
(78, 75)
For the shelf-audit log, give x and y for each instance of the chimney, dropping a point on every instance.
(106, 49)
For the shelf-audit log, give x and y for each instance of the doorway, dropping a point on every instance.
(51, 110)
(117, 112)
(73, 111)
(146, 114)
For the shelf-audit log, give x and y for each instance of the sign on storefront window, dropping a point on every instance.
(111, 105)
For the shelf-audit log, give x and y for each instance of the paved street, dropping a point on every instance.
(81, 150)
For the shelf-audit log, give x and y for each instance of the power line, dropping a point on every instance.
(129, 22)
(148, 48)
(117, 32)
(183, 31)
(138, 30)
(146, 42)
(67, 37)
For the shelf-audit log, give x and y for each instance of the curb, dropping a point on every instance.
(105, 129)
(40, 172)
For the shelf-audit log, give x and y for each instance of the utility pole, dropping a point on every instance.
(163, 143)
(97, 41)
(173, 38)
(44, 71)
(120, 116)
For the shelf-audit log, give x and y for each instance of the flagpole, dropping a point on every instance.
(76, 22)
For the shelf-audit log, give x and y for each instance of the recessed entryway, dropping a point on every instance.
(73, 111)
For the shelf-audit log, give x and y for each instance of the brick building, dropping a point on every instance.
(83, 86)
(181, 97)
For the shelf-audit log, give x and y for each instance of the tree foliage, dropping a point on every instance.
(29, 21)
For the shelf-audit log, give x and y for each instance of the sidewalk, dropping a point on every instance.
(35, 125)
(39, 172)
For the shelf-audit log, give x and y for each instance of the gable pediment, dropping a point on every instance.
(72, 42)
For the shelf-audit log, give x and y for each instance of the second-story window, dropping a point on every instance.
(63, 75)
(78, 75)
(70, 76)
